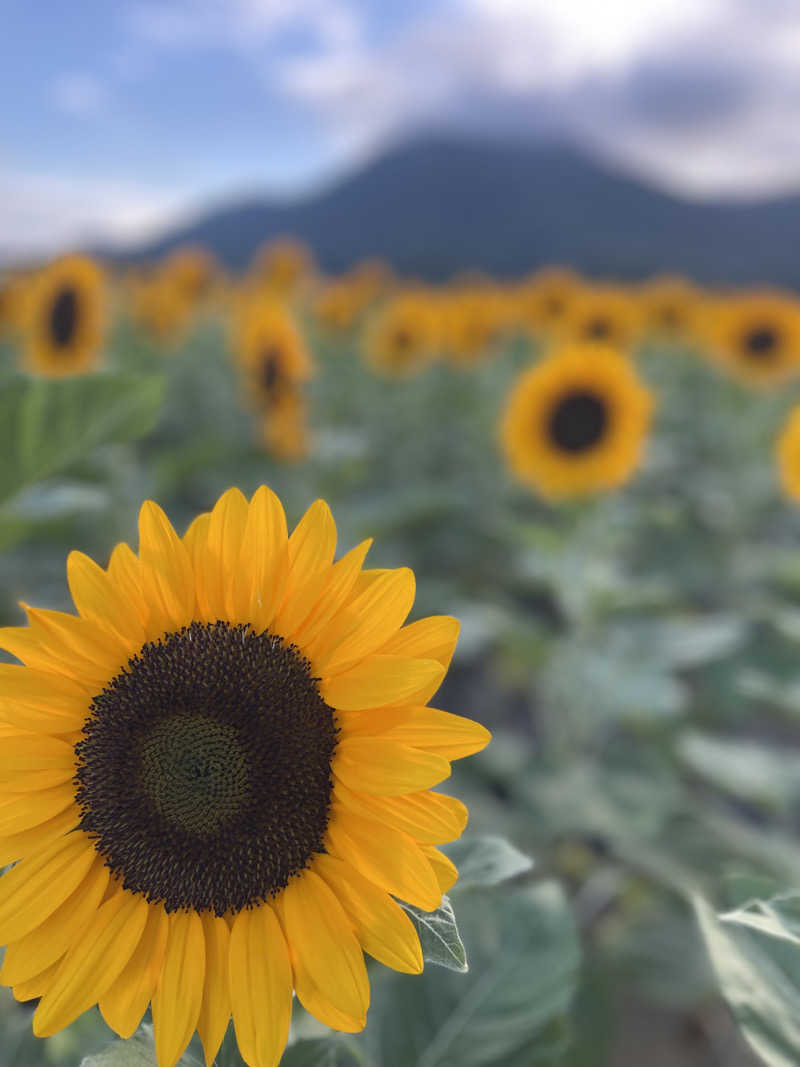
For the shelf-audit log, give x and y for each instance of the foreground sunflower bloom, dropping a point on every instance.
(577, 422)
(215, 781)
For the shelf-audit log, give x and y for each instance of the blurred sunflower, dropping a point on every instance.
(339, 304)
(473, 320)
(601, 314)
(270, 351)
(545, 298)
(282, 264)
(192, 269)
(756, 336)
(65, 317)
(403, 336)
(217, 779)
(669, 308)
(12, 304)
(283, 428)
(787, 453)
(576, 422)
(160, 306)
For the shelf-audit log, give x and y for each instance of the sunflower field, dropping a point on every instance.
(258, 805)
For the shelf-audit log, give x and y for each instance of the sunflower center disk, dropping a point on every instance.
(761, 342)
(64, 317)
(204, 772)
(578, 421)
(271, 372)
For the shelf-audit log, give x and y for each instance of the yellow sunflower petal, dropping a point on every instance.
(260, 579)
(223, 543)
(311, 549)
(22, 811)
(381, 925)
(341, 579)
(390, 858)
(99, 598)
(47, 943)
(14, 846)
(167, 575)
(179, 994)
(319, 932)
(429, 817)
(260, 979)
(125, 1001)
(63, 644)
(124, 570)
(215, 1011)
(36, 986)
(29, 752)
(377, 765)
(381, 680)
(429, 729)
(195, 538)
(434, 637)
(379, 612)
(445, 870)
(39, 701)
(93, 962)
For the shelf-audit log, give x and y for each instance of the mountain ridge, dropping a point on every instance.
(441, 204)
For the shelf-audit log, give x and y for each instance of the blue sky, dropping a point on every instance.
(121, 115)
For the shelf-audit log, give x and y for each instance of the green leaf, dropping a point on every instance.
(137, 1051)
(747, 770)
(759, 975)
(320, 1052)
(439, 936)
(486, 860)
(47, 425)
(510, 1009)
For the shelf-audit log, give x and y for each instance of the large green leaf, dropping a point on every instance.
(321, 1052)
(757, 961)
(45, 426)
(510, 1008)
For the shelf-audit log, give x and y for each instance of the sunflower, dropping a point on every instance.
(282, 264)
(283, 428)
(161, 306)
(669, 308)
(65, 317)
(787, 454)
(601, 314)
(474, 318)
(192, 269)
(217, 780)
(271, 352)
(576, 422)
(756, 336)
(404, 335)
(545, 298)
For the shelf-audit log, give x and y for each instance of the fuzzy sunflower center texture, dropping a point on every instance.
(271, 368)
(597, 329)
(64, 316)
(762, 342)
(204, 771)
(578, 421)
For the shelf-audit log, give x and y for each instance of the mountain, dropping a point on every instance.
(438, 205)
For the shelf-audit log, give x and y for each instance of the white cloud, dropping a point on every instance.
(698, 94)
(242, 24)
(79, 95)
(41, 214)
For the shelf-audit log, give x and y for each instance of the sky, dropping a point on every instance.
(121, 117)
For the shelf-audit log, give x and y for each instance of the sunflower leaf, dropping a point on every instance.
(137, 1051)
(511, 1008)
(486, 860)
(45, 426)
(320, 1052)
(439, 936)
(756, 956)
